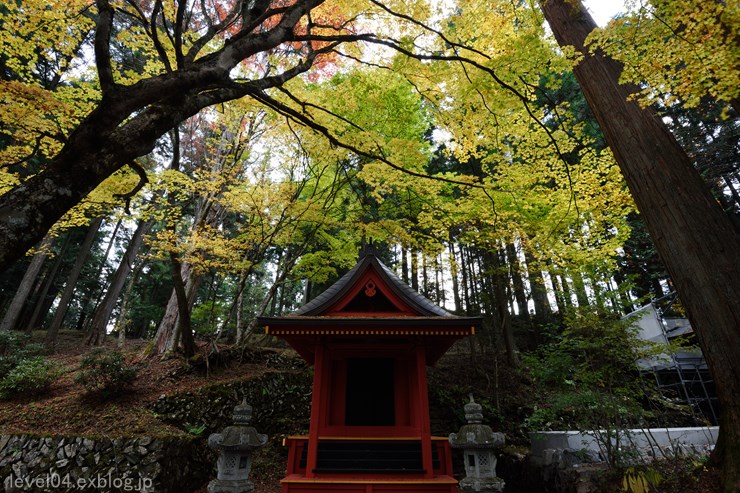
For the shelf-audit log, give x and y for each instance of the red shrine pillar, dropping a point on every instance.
(423, 412)
(317, 398)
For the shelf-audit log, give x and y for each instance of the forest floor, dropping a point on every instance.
(67, 409)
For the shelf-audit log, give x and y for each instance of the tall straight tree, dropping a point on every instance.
(74, 274)
(694, 238)
(103, 313)
(10, 319)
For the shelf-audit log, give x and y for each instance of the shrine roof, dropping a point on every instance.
(416, 302)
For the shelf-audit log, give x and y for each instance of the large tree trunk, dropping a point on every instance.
(184, 331)
(695, 239)
(24, 289)
(105, 309)
(164, 338)
(74, 274)
(128, 120)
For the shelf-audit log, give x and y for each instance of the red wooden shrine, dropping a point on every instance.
(370, 338)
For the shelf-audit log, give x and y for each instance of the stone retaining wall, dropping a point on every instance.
(281, 400)
(75, 464)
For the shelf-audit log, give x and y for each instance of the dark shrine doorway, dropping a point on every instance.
(370, 397)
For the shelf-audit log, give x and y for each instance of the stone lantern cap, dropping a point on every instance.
(476, 435)
(239, 436)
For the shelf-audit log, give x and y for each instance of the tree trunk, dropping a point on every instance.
(464, 271)
(694, 238)
(579, 287)
(122, 324)
(163, 340)
(184, 327)
(567, 295)
(82, 322)
(284, 267)
(105, 309)
(69, 288)
(503, 320)
(542, 308)
(455, 281)
(43, 303)
(517, 282)
(623, 297)
(557, 290)
(24, 289)
(415, 270)
(404, 266)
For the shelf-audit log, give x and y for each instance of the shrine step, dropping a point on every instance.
(370, 457)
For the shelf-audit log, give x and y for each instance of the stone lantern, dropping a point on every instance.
(235, 446)
(478, 443)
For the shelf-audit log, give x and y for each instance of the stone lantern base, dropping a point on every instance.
(230, 486)
(487, 485)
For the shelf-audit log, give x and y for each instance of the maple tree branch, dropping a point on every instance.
(102, 45)
(33, 152)
(212, 30)
(250, 24)
(179, 20)
(305, 120)
(305, 104)
(384, 67)
(150, 29)
(395, 45)
(430, 29)
(143, 180)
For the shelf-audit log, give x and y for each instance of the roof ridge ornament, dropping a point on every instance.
(368, 248)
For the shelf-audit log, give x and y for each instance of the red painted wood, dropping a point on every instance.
(411, 343)
(424, 422)
(381, 287)
(317, 410)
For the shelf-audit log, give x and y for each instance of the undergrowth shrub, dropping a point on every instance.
(14, 348)
(589, 381)
(30, 376)
(105, 372)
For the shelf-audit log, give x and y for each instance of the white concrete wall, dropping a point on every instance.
(652, 442)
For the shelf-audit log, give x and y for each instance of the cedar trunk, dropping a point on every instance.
(69, 288)
(103, 313)
(10, 319)
(694, 238)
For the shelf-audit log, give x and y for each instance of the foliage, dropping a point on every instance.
(30, 376)
(681, 49)
(590, 381)
(14, 348)
(105, 372)
(637, 480)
